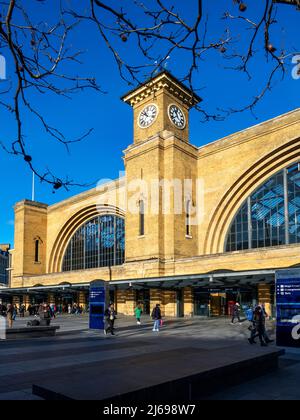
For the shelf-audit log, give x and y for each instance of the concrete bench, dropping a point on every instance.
(31, 332)
(187, 373)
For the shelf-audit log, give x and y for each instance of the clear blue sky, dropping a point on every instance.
(100, 155)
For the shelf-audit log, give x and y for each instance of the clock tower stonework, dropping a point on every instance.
(160, 153)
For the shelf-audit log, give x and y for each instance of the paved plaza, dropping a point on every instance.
(77, 351)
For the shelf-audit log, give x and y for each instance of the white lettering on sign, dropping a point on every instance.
(296, 329)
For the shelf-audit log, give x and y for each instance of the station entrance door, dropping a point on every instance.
(143, 297)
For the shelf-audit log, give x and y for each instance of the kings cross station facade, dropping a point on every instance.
(192, 228)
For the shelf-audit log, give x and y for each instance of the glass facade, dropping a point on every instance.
(100, 242)
(4, 262)
(270, 216)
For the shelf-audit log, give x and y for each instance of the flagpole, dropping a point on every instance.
(33, 187)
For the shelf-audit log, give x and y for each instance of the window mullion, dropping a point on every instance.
(250, 227)
(286, 206)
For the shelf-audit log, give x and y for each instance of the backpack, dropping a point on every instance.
(33, 323)
(249, 314)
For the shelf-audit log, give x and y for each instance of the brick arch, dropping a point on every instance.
(71, 226)
(245, 185)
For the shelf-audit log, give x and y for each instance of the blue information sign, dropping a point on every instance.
(98, 297)
(288, 308)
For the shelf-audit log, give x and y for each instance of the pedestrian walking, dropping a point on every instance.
(22, 311)
(15, 312)
(236, 313)
(264, 317)
(249, 314)
(110, 316)
(138, 313)
(156, 316)
(10, 315)
(52, 310)
(258, 327)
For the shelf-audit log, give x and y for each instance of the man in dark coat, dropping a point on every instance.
(156, 316)
(110, 316)
(258, 327)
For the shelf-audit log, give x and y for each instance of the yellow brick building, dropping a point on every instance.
(194, 229)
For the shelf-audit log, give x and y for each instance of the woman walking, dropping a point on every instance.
(236, 313)
(10, 315)
(138, 313)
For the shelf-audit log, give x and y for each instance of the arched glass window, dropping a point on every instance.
(100, 242)
(270, 216)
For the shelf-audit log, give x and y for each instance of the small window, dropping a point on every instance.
(37, 250)
(142, 218)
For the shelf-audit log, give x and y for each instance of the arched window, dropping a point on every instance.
(270, 216)
(188, 230)
(141, 218)
(37, 245)
(100, 242)
(37, 250)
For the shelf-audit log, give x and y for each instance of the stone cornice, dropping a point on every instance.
(249, 134)
(113, 184)
(162, 81)
(163, 143)
(29, 203)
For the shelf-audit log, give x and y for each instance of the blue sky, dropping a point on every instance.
(100, 155)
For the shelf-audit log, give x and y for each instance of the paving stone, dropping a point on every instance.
(78, 352)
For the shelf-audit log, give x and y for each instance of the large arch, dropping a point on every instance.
(71, 226)
(245, 185)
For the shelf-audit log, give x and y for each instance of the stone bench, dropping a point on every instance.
(31, 332)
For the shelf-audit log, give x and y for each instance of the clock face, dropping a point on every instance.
(177, 117)
(147, 116)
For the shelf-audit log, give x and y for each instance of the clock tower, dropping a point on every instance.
(160, 156)
(162, 103)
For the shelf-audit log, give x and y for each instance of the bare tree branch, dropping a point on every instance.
(159, 31)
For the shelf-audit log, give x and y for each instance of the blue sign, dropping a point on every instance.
(288, 308)
(97, 304)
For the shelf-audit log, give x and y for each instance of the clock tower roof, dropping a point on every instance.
(163, 80)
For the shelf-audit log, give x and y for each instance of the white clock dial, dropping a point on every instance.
(177, 116)
(147, 116)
